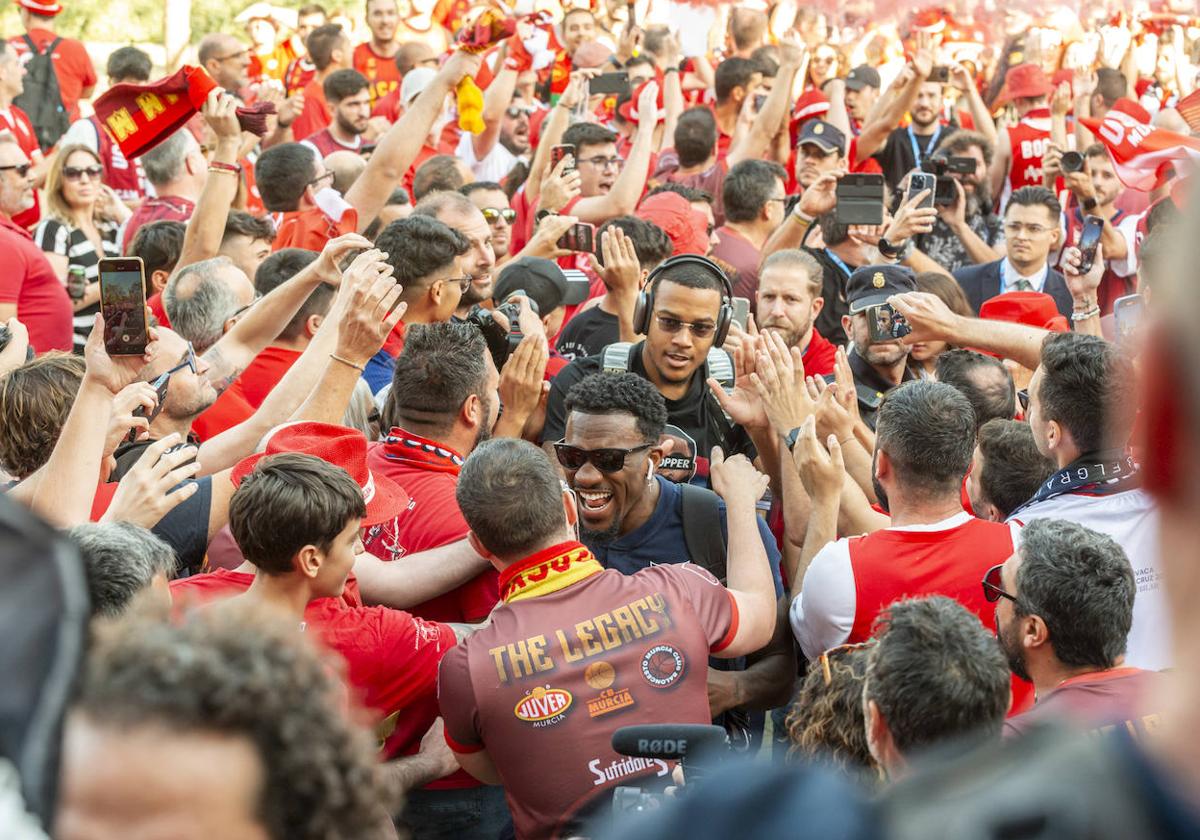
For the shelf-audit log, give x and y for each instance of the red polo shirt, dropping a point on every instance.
(820, 356)
(27, 279)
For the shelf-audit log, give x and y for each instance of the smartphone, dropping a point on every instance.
(557, 153)
(859, 199)
(939, 74)
(123, 305)
(919, 182)
(885, 324)
(160, 393)
(760, 99)
(581, 238)
(614, 84)
(1127, 314)
(1089, 240)
(741, 311)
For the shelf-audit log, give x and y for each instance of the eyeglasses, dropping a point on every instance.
(22, 169)
(231, 56)
(327, 174)
(464, 283)
(492, 215)
(605, 162)
(673, 325)
(1023, 399)
(1015, 228)
(824, 658)
(780, 200)
(993, 591)
(608, 461)
(76, 173)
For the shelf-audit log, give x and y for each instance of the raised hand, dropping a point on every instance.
(521, 383)
(335, 251)
(114, 372)
(371, 307)
(822, 471)
(929, 317)
(779, 382)
(735, 479)
(821, 197)
(152, 487)
(911, 220)
(544, 242)
(621, 270)
(559, 185)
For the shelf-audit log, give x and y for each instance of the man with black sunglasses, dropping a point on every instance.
(29, 289)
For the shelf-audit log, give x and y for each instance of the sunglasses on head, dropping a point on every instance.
(993, 589)
(492, 214)
(609, 460)
(74, 173)
(830, 654)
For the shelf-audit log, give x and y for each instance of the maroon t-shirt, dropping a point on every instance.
(574, 653)
(734, 249)
(1094, 701)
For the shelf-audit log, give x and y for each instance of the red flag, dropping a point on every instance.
(1144, 157)
(139, 117)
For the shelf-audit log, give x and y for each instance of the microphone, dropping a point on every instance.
(668, 741)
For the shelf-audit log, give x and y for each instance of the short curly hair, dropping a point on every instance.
(621, 393)
(826, 720)
(232, 672)
(35, 400)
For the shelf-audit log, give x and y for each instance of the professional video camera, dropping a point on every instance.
(501, 343)
(941, 167)
(698, 747)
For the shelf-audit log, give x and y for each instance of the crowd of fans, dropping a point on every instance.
(822, 376)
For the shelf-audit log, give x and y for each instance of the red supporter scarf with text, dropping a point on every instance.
(407, 448)
(548, 571)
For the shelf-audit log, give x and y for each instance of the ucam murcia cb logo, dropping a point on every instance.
(662, 666)
(544, 706)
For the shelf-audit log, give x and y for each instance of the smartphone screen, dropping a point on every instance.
(123, 305)
(1127, 312)
(1089, 241)
(920, 182)
(610, 83)
(580, 238)
(557, 153)
(741, 311)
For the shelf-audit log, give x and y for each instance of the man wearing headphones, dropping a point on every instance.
(684, 313)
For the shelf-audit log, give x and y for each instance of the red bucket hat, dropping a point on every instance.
(1026, 81)
(342, 447)
(1034, 309)
(49, 9)
(628, 110)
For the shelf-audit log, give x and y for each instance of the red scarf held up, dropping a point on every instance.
(139, 117)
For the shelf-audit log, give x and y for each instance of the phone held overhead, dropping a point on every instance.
(123, 305)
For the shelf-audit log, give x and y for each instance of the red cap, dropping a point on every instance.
(1034, 309)
(628, 110)
(1026, 81)
(342, 447)
(685, 226)
(49, 9)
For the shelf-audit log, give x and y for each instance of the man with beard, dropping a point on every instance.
(967, 231)
(821, 149)
(1064, 606)
(789, 299)
(931, 547)
(457, 212)
(489, 197)
(375, 59)
(442, 404)
(349, 100)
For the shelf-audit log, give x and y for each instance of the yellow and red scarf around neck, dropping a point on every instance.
(549, 570)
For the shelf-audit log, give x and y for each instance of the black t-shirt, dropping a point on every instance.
(833, 288)
(697, 415)
(185, 528)
(588, 333)
(896, 158)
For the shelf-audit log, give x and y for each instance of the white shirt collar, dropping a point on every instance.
(1011, 277)
(958, 519)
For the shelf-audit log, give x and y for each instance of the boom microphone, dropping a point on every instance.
(669, 741)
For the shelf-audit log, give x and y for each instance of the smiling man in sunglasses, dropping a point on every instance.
(29, 288)
(489, 197)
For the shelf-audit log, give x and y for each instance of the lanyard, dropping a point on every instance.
(1111, 476)
(839, 262)
(918, 155)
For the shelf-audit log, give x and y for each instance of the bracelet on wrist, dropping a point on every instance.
(337, 358)
(220, 166)
(1086, 314)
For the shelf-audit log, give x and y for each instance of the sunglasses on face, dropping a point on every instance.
(188, 361)
(492, 215)
(76, 173)
(22, 169)
(993, 589)
(515, 111)
(673, 325)
(608, 461)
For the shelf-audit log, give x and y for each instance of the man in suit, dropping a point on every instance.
(1032, 231)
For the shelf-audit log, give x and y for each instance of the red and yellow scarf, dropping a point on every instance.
(548, 571)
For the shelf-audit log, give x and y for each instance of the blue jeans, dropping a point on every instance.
(478, 813)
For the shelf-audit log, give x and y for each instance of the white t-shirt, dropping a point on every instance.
(1131, 519)
(495, 165)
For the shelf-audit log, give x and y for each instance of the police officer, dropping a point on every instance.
(575, 651)
(878, 364)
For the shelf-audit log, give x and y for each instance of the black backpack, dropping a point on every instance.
(42, 100)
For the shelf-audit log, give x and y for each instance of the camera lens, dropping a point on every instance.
(1072, 162)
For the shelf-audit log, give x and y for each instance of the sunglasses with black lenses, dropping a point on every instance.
(606, 460)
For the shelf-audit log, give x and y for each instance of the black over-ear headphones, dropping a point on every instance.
(645, 299)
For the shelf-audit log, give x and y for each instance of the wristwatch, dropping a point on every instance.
(791, 437)
(541, 214)
(892, 252)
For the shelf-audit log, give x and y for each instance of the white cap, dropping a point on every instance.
(415, 81)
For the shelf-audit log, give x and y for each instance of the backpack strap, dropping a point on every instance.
(702, 529)
(29, 43)
(615, 357)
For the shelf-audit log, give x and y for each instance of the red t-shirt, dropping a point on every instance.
(574, 653)
(28, 280)
(155, 303)
(264, 373)
(820, 356)
(229, 410)
(315, 115)
(388, 106)
(311, 229)
(407, 181)
(72, 65)
(380, 71)
(740, 253)
(428, 472)
(391, 657)
(16, 122)
(169, 207)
